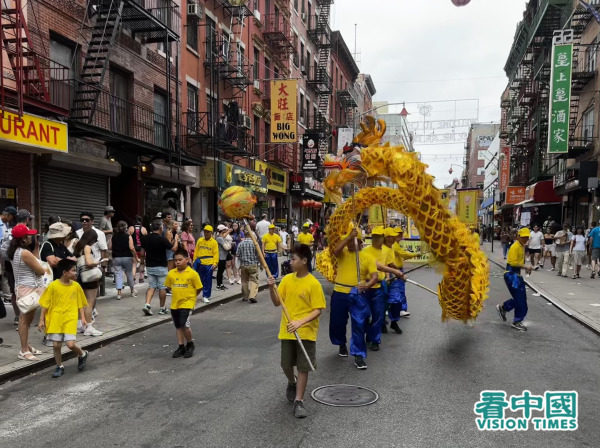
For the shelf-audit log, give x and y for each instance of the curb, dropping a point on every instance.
(565, 309)
(40, 365)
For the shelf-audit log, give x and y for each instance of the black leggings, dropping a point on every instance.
(220, 270)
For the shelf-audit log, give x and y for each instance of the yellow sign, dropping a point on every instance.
(249, 178)
(376, 215)
(283, 111)
(34, 131)
(413, 232)
(276, 177)
(467, 206)
(415, 246)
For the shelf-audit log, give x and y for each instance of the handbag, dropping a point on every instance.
(29, 302)
(88, 274)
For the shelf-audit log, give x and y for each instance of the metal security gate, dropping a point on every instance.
(67, 193)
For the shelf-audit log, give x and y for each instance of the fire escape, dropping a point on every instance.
(29, 81)
(224, 133)
(319, 80)
(282, 42)
(98, 111)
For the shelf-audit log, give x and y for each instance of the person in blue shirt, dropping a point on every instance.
(594, 243)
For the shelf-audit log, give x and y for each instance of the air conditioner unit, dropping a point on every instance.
(303, 17)
(303, 69)
(257, 14)
(257, 84)
(246, 121)
(195, 10)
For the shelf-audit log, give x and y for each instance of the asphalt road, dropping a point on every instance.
(232, 392)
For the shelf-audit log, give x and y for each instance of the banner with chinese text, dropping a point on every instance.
(560, 99)
(283, 111)
(467, 206)
(504, 167)
(310, 152)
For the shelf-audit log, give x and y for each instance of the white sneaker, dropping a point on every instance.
(205, 300)
(404, 314)
(231, 282)
(95, 313)
(91, 331)
(239, 281)
(80, 328)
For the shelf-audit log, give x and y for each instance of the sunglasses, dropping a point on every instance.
(85, 219)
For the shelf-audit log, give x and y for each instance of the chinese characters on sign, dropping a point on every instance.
(504, 167)
(553, 411)
(283, 111)
(310, 152)
(560, 99)
(467, 206)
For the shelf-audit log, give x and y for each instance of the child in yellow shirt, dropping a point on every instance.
(62, 304)
(185, 286)
(304, 299)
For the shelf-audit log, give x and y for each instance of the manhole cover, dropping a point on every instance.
(344, 395)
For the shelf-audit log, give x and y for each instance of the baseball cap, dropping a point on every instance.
(399, 230)
(20, 230)
(158, 215)
(23, 214)
(10, 210)
(272, 226)
(208, 228)
(379, 230)
(524, 232)
(219, 227)
(390, 232)
(306, 224)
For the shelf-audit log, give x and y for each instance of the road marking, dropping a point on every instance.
(571, 293)
(594, 304)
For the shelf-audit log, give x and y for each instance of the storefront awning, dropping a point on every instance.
(487, 202)
(529, 203)
(540, 193)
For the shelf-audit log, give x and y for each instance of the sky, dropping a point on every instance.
(421, 51)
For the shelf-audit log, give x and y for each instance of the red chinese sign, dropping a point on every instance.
(504, 167)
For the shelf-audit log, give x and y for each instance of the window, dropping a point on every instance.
(588, 125)
(257, 130)
(301, 54)
(119, 106)
(308, 59)
(296, 5)
(160, 119)
(211, 37)
(226, 46)
(62, 55)
(590, 56)
(295, 59)
(192, 33)
(307, 111)
(192, 108)
(303, 6)
(315, 119)
(301, 108)
(481, 171)
(240, 58)
(256, 68)
(268, 74)
(267, 7)
(211, 107)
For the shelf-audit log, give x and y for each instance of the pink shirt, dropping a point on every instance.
(190, 242)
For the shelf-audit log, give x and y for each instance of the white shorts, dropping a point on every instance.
(550, 248)
(60, 337)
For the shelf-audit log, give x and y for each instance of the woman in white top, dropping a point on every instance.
(28, 278)
(578, 250)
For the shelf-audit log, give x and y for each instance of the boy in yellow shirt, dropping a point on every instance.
(349, 297)
(271, 245)
(185, 286)
(306, 238)
(62, 304)
(303, 296)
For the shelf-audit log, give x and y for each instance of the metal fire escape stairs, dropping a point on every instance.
(324, 47)
(105, 31)
(29, 81)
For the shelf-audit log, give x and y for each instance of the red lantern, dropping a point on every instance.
(460, 2)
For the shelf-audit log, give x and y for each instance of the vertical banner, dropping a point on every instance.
(310, 152)
(504, 167)
(284, 111)
(560, 98)
(412, 231)
(467, 206)
(376, 215)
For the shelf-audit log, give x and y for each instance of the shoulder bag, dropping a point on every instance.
(88, 274)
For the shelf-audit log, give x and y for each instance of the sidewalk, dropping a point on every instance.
(579, 298)
(117, 319)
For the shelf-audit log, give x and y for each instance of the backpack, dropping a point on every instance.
(5, 244)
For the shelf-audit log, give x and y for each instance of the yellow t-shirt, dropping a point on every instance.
(516, 255)
(63, 303)
(384, 256)
(306, 238)
(346, 270)
(184, 287)
(207, 248)
(270, 241)
(400, 255)
(301, 297)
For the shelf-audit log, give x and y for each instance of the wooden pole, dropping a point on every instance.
(274, 289)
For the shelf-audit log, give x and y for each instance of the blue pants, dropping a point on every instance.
(397, 299)
(271, 259)
(205, 272)
(355, 304)
(376, 302)
(518, 301)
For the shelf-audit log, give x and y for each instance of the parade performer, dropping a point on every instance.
(384, 258)
(515, 283)
(271, 246)
(206, 260)
(307, 238)
(349, 297)
(303, 297)
(400, 255)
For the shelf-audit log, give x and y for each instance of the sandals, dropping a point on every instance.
(27, 356)
(34, 350)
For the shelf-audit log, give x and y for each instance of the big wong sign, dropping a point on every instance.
(560, 98)
(284, 111)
